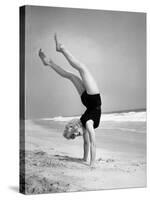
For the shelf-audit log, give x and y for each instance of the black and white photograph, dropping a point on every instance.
(82, 99)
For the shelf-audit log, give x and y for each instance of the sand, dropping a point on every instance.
(54, 164)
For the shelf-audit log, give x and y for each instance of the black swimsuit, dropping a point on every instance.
(93, 104)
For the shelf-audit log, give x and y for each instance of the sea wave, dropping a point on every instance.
(120, 117)
(126, 116)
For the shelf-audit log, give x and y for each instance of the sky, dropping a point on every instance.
(111, 44)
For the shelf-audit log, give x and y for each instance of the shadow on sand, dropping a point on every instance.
(14, 188)
(71, 159)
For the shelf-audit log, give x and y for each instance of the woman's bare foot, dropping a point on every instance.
(59, 46)
(44, 59)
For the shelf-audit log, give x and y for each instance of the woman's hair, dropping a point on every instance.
(72, 129)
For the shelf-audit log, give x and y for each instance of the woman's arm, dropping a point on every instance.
(86, 145)
(91, 131)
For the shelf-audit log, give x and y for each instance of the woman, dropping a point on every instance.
(90, 97)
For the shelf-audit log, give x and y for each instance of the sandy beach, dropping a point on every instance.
(54, 164)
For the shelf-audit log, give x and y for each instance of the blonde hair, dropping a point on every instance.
(72, 128)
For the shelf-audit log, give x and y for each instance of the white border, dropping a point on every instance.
(9, 97)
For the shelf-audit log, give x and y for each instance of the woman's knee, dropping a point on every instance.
(67, 75)
(73, 77)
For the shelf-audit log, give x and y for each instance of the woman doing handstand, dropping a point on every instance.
(90, 97)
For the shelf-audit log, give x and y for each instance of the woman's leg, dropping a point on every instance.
(88, 80)
(65, 74)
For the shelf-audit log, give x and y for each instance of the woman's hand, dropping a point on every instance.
(93, 165)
